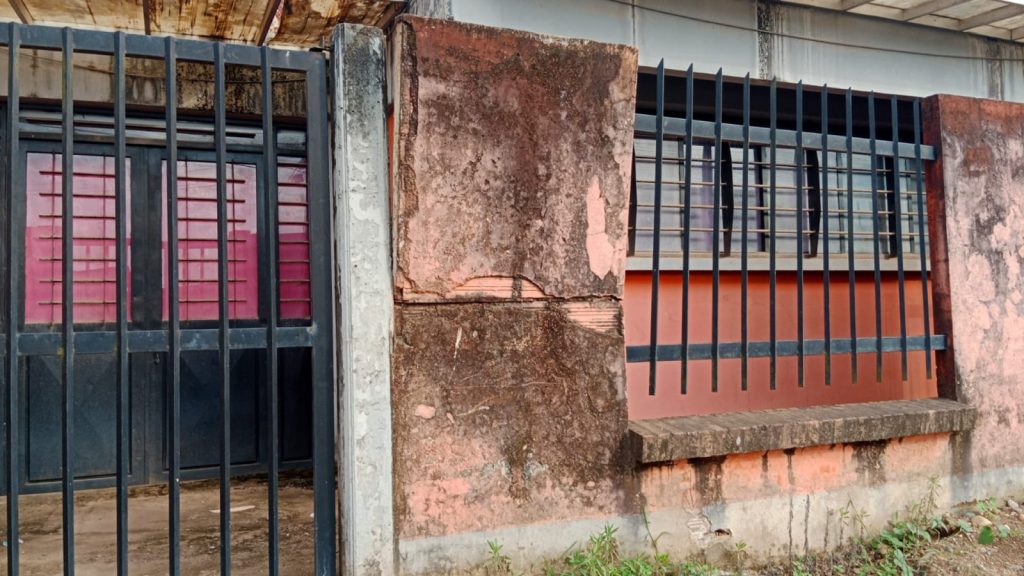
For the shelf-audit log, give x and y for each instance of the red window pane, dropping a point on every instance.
(93, 246)
(293, 239)
(197, 241)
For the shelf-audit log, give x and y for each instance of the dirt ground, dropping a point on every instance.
(95, 517)
(955, 553)
(961, 555)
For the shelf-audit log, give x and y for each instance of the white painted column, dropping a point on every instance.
(365, 307)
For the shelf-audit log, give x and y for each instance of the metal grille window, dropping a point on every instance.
(728, 210)
(825, 191)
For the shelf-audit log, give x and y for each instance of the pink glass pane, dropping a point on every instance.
(293, 240)
(197, 241)
(93, 247)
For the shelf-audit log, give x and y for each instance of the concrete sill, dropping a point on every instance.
(667, 439)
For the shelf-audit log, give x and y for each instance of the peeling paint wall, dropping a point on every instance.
(512, 168)
(979, 286)
(522, 150)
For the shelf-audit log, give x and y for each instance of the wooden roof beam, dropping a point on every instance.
(847, 5)
(928, 8)
(991, 17)
(273, 7)
(147, 16)
(22, 11)
(1017, 33)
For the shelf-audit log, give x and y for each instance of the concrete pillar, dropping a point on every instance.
(363, 255)
(512, 159)
(976, 207)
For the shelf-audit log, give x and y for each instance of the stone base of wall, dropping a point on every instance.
(777, 504)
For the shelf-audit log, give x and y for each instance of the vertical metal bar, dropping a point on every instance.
(68, 297)
(270, 186)
(319, 190)
(14, 167)
(632, 206)
(715, 241)
(656, 241)
(874, 238)
(899, 234)
(745, 207)
(773, 105)
(121, 235)
(921, 240)
(173, 316)
(220, 145)
(826, 283)
(850, 246)
(687, 196)
(800, 232)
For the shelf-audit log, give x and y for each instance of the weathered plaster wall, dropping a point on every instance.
(979, 286)
(512, 164)
(508, 399)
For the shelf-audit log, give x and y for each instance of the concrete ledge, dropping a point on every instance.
(667, 439)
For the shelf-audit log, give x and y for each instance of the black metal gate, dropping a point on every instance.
(198, 282)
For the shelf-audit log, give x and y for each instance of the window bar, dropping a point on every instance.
(68, 296)
(823, 183)
(799, 152)
(224, 310)
(123, 423)
(922, 253)
(715, 240)
(319, 190)
(851, 270)
(898, 200)
(687, 199)
(173, 316)
(874, 229)
(744, 336)
(273, 275)
(656, 246)
(771, 235)
(633, 201)
(14, 256)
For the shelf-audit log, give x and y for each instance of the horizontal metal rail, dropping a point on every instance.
(675, 128)
(812, 347)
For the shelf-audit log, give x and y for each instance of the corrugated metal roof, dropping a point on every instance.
(280, 22)
(1003, 19)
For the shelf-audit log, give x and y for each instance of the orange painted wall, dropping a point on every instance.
(730, 398)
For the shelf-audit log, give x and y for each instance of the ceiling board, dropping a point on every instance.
(958, 16)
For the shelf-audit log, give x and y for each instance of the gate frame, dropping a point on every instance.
(122, 341)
